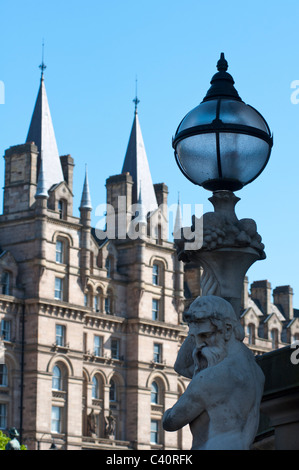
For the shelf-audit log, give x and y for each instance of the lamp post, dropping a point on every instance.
(222, 145)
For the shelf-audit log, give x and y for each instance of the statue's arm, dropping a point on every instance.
(184, 364)
(189, 406)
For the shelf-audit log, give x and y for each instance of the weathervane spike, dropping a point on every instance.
(42, 65)
(136, 100)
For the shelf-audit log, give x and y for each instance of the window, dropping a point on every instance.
(56, 379)
(154, 394)
(251, 333)
(157, 352)
(108, 305)
(5, 330)
(88, 298)
(96, 303)
(62, 209)
(98, 300)
(108, 267)
(154, 431)
(274, 338)
(97, 345)
(115, 348)
(112, 391)
(3, 375)
(159, 235)
(59, 251)
(56, 419)
(155, 309)
(295, 337)
(84, 342)
(58, 288)
(95, 391)
(60, 335)
(155, 274)
(5, 281)
(3, 416)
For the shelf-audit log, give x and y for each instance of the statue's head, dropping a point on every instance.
(213, 325)
(13, 433)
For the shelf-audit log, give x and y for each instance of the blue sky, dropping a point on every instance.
(93, 52)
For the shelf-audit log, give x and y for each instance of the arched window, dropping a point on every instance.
(56, 378)
(97, 303)
(60, 252)
(109, 303)
(88, 297)
(156, 274)
(3, 375)
(95, 392)
(112, 391)
(6, 283)
(154, 393)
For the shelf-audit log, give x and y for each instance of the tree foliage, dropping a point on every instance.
(5, 439)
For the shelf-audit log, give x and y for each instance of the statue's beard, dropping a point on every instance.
(208, 356)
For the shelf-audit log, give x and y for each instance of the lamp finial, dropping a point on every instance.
(222, 64)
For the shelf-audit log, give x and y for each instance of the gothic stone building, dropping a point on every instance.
(91, 325)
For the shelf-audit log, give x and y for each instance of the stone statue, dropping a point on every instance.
(91, 423)
(110, 425)
(13, 444)
(222, 402)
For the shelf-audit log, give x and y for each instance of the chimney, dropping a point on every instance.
(67, 164)
(283, 296)
(261, 291)
(119, 196)
(161, 191)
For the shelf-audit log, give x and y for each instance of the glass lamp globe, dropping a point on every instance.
(223, 143)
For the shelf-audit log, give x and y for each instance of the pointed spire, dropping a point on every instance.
(136, 164)
(86, 200)
(41, 132)
(178, 220)
(41, 190)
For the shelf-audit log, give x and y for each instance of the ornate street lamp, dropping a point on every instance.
(223, 143)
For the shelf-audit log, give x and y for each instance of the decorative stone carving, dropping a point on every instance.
(222, 402)
(110, 425)
(13, 444)
(229, 247)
